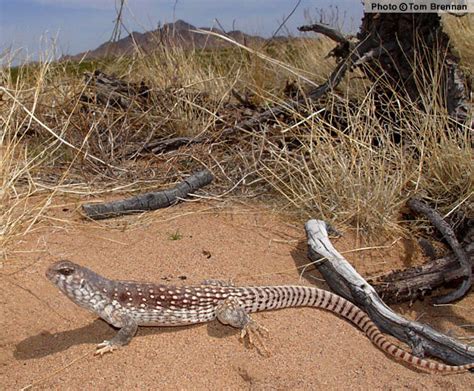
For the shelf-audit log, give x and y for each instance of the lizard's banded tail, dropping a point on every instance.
(300, 296)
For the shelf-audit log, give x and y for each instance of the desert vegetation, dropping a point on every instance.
(334, 159)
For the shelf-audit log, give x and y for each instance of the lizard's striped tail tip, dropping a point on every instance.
(443, 369)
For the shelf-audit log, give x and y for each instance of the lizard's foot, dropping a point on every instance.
(230, 311)
(255, 333)
(105, 347)
(128, 328)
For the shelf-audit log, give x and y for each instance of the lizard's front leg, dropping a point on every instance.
(231, 312)
(128, 328)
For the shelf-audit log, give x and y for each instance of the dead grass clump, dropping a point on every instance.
(339, 175)
(447, 176)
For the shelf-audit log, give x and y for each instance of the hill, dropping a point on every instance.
(179, 33)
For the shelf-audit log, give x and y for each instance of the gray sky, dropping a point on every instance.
(80, 25)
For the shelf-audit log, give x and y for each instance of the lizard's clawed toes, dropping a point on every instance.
(255, 334)
(105, 347)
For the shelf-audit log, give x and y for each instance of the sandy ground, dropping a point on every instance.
(48, 341)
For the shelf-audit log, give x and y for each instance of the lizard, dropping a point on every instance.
(129, 304)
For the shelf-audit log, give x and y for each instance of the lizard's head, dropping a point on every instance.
(76, 282)
(65, 273)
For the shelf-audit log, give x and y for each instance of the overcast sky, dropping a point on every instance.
(80, 25)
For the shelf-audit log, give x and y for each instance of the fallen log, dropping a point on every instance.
(345, 281)
(148, 201)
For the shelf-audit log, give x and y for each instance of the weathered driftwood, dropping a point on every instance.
(149, 201)
(448, 234)
(416, 282)
(345, 281)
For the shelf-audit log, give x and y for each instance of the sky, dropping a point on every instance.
(30, 27)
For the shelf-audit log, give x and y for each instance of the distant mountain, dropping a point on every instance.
(178, 33)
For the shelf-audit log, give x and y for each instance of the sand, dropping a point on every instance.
(48, 341)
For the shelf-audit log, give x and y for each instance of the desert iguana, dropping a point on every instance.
(129, 304)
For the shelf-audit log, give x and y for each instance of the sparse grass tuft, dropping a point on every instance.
(176, 235)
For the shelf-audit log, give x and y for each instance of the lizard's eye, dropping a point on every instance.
(66, 271)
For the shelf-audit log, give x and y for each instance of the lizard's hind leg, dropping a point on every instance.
(231, 312)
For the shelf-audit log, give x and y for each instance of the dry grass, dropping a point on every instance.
(17, 214)
(341, 176)
(326, 166)
(460, 31)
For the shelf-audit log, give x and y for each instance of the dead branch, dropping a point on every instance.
(314, 94)
(167, 145)
(149, 201)
(326, 30)
(345, 281)
(448, 234)
(416, 282)
(108, 89)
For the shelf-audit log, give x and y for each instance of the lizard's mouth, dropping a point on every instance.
(51, 274)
